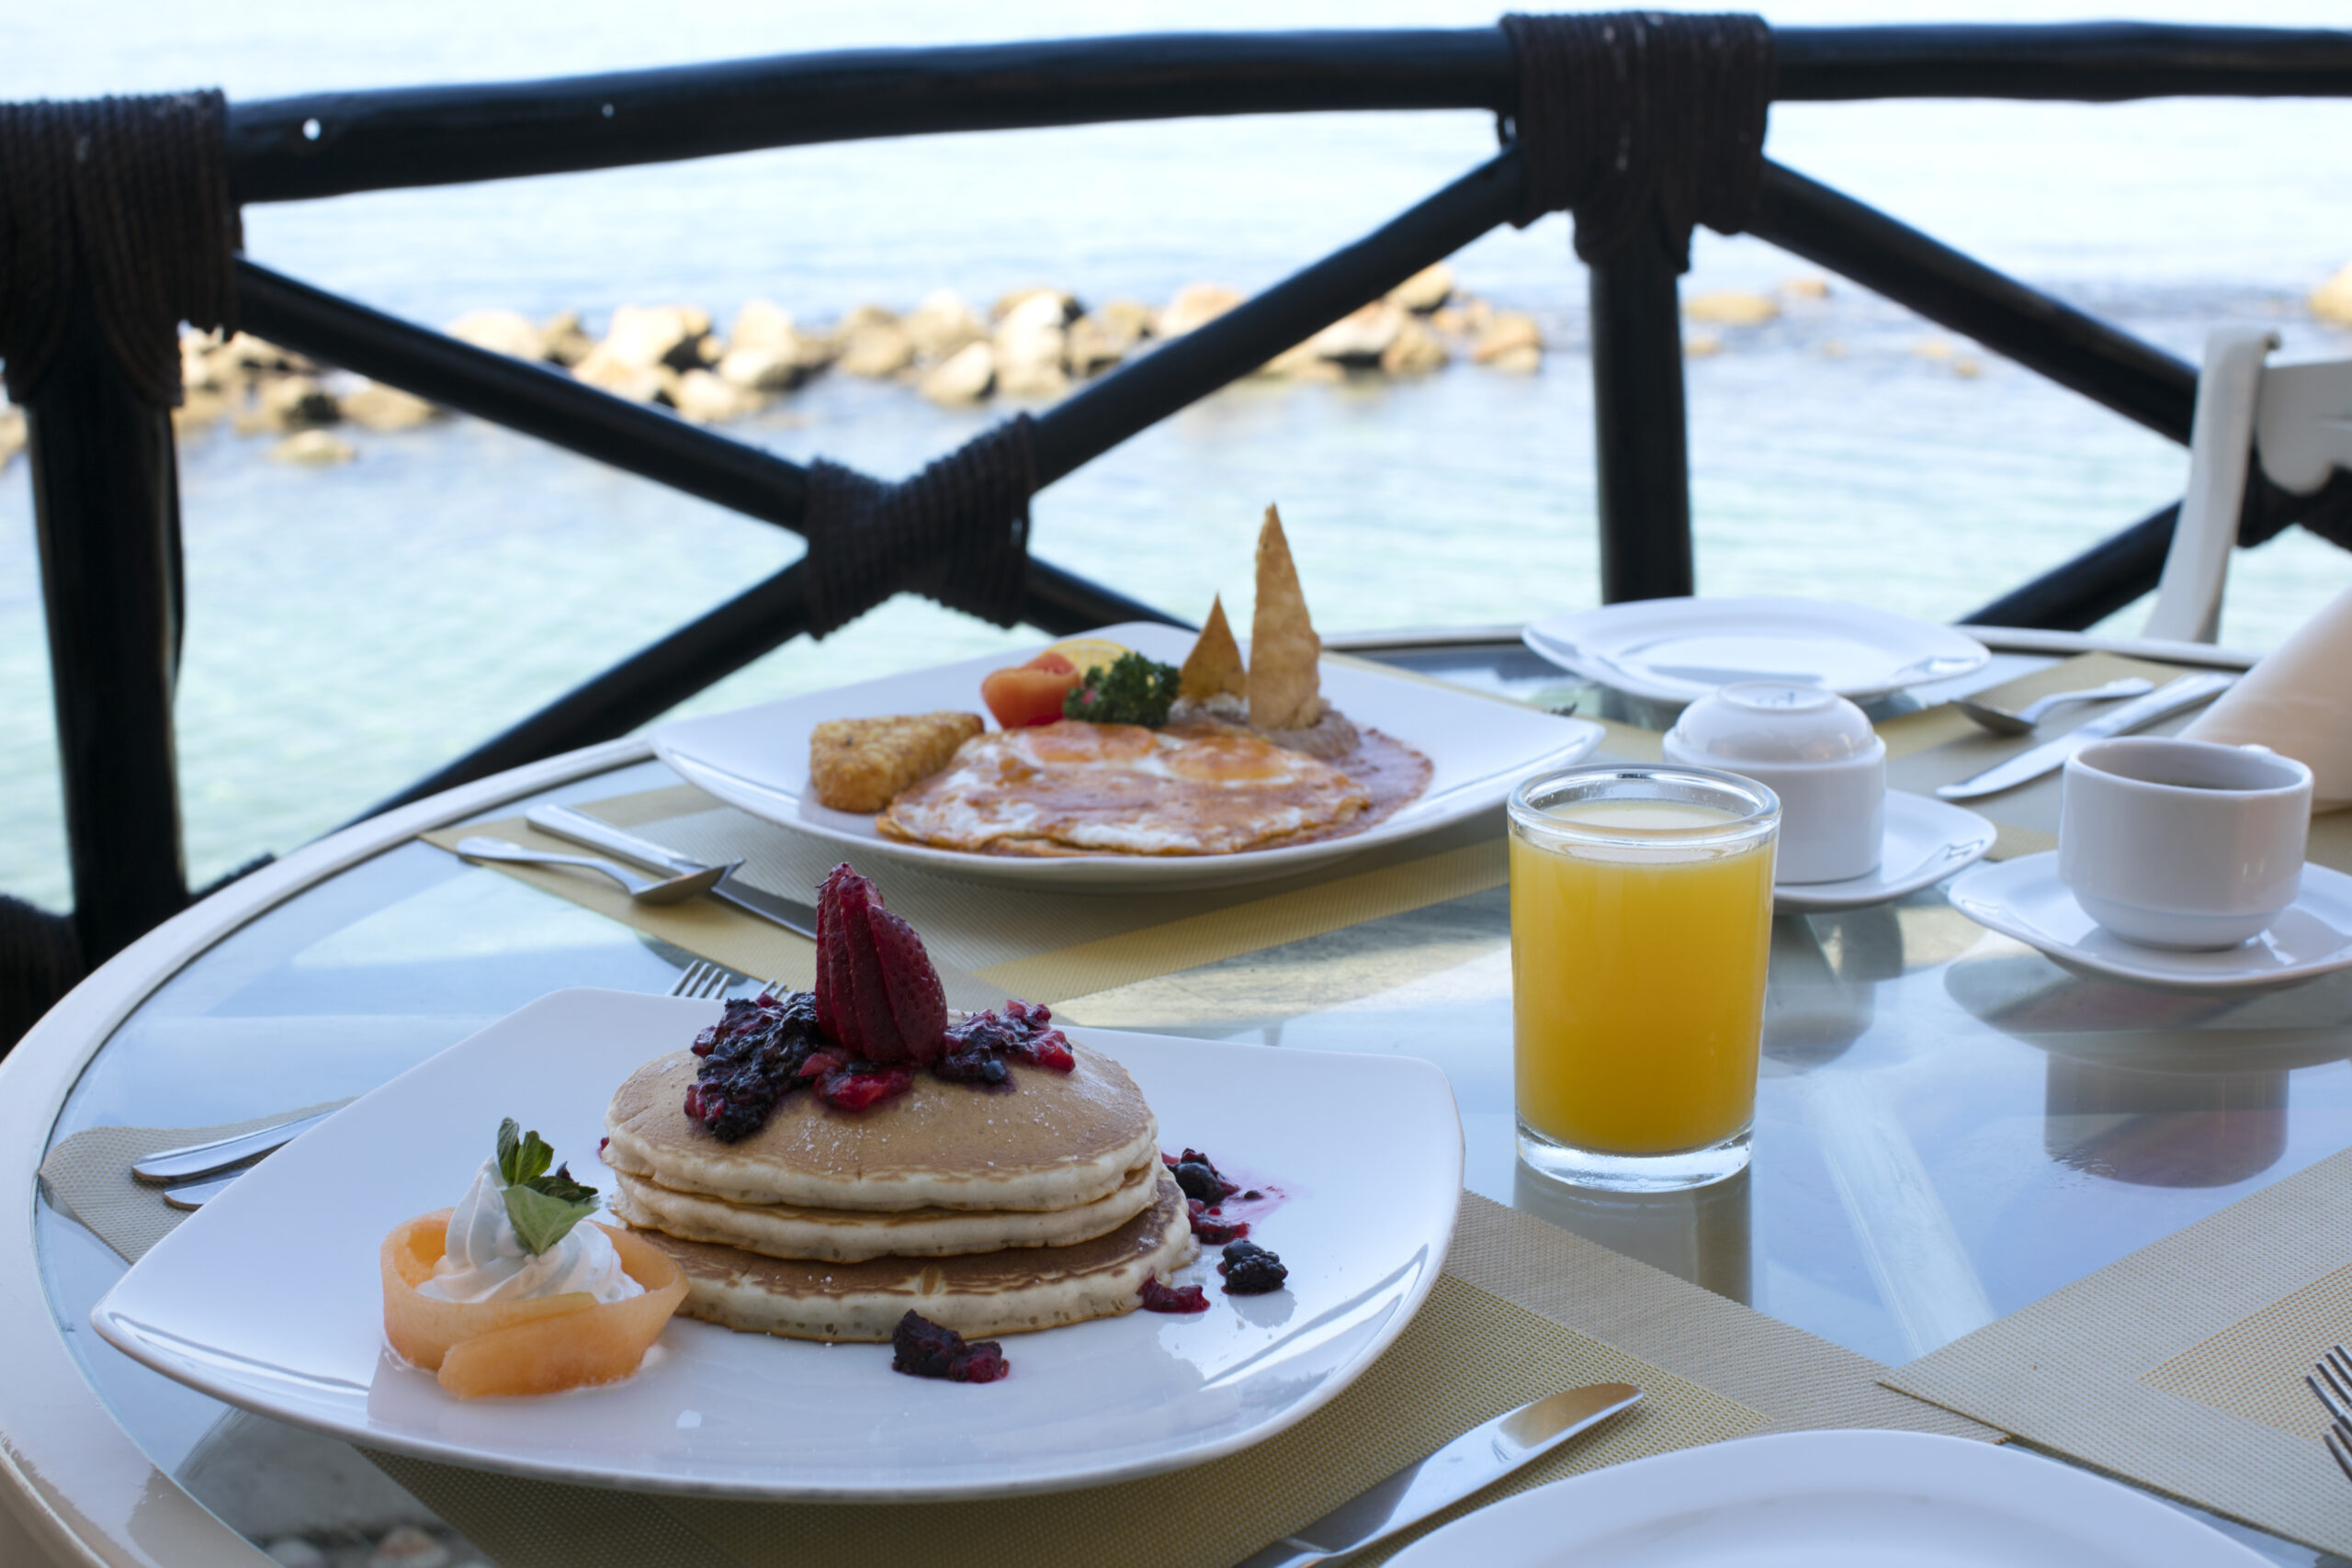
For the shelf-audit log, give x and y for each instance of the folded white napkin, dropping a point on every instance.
(2298, 702)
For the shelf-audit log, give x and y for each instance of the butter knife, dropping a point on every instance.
(582, 828)
(1481, 1456)
(2169, 698)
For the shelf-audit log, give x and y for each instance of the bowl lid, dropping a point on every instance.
(1775, 721)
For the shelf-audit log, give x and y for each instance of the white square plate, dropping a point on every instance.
(269, 1296)
(757, 759)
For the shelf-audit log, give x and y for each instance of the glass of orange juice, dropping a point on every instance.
(1641, 916)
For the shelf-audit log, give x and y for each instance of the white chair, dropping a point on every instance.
(2297, 417)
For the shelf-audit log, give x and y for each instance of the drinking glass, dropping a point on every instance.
(1641, 918)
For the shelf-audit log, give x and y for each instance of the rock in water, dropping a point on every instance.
(378, 407)
(1195, 304)
(1425, 290)
(1730, 308)
(501, 331)
(1362, 336)
(317, 448)
(702, 398)
(1416, 351)
(876, 350)
(942, 326)
(964, 376)
(1511, 341)
(2332, 300)
(1030, 342)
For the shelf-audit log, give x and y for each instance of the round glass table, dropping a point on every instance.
(1948, 1126)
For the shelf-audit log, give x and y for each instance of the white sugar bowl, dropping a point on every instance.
(1810, 746)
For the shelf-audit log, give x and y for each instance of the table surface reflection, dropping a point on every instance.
(1948, 1125)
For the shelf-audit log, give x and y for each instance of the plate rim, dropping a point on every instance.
(1436, 1245)
(1579, 738)
(1923, 1464)
(1547, 643)
(2067, 955)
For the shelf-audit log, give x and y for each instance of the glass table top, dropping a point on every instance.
(1948, 1125)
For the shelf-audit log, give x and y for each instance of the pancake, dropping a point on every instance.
(1073, 787)
(995, 1292)
(848, 1236)
(1048, 1141)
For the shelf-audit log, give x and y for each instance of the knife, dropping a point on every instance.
(2168, 698)
(1481, 1456)
(165, 1167)
(582, 828)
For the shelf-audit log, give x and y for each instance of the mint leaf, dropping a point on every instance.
(541, 1220)
(564, 1189)
(524, 1158)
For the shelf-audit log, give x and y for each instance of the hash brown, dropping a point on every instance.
(859, 764)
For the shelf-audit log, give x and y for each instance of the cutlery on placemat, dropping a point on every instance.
(2169, 698)
(582, 828)
(2335, 1393)
(1481, 1456)
(2001, 721)
(192, 1161)
(669, 890)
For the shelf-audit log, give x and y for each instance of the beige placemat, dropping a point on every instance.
(2180, 1367)
(991, 941)
(88, 1176)
(1473, 1352)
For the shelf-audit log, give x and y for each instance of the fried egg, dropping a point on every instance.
(1076, 788)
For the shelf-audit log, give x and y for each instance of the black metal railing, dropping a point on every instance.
(109, 526)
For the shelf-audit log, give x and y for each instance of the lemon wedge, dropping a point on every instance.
(1089, 653)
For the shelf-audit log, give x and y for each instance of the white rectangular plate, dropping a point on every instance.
(757, 759)
(269, 1296)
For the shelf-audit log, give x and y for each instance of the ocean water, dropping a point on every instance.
(351, 627)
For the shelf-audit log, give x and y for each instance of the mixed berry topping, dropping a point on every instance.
(751, 1058)
(1251, 1271)
(1197, 1175)
(1022, 1032)
(878, 1015)
(921, 1348)
(1160, 1297)
(1214, 1231)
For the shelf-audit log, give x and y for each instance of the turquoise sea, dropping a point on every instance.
(351, 627)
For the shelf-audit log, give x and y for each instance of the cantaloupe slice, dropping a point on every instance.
(525, 1346)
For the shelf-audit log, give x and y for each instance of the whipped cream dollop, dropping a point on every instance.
(484, 1260)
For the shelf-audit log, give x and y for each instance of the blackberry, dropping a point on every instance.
(751, 1058)
(1251, 1271)
(921, 1348)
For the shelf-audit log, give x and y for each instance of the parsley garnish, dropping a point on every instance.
(543, 1207)
(1131, 689)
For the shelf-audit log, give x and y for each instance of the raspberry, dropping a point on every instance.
(921, 1348)
(1251, 1271)
(861, 1084)
(1215, 1231)
(1158, 1297)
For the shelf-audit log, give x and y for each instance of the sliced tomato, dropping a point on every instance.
(1031, 694)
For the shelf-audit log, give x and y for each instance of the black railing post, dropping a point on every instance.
(1641, 448)
(105, 507)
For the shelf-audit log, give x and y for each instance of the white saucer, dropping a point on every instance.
(1676, 650)
(1926, 841)
(2023, 898)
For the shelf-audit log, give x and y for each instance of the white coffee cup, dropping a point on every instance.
(1813, 749)
(2183, 843)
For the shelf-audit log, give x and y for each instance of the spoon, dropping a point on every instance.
(640, 891)
(2000, 721)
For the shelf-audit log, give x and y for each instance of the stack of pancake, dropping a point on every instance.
(988, 1210)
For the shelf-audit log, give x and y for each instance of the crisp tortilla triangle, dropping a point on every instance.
(1285, 691)
(1213, 667)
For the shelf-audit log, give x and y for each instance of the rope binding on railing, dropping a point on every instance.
(1634, 116)
(958, 532)
(125, 201)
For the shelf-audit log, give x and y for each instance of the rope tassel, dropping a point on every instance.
(1633, 117)
(127, 200)
(958, 532)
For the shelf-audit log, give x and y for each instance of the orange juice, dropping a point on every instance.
(1639, 946)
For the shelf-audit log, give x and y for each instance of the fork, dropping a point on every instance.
(2331, 1382)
